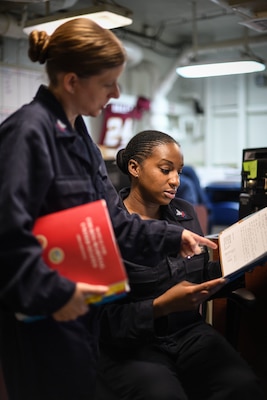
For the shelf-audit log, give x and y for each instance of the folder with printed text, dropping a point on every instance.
(243, 245)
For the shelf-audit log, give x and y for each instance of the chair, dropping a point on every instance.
(224, 199)
(203, 217)
(191, 190)
(238, 299)
(225, 212)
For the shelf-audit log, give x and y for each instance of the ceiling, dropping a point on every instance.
(168, 26)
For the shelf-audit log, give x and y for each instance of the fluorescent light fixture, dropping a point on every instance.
(219, 68)
(106, 15)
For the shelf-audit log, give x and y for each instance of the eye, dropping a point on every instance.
(165, 171)
(110, 84)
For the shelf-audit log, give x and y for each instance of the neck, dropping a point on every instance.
(66, 105)
(138, 206)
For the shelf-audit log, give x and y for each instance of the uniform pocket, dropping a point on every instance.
(69, 192)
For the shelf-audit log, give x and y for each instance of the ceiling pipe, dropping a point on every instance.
(11, 27)
(43, 8)
(166, 84)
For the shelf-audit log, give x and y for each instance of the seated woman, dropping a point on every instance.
(154, 343)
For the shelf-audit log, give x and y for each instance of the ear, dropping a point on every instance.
(133, 168)
(70, 80)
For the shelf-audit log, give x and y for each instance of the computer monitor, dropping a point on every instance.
(253, 194)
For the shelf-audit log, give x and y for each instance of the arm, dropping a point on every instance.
(25, 168)
(27, 285)
(185, 296)
(136, 319)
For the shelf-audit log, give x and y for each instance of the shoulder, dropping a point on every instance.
(179, 210)
(22, 122)
(182, 204)
(123, 193)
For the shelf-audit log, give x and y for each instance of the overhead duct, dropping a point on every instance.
(23, 1)
(40, 8)
(10, 27)
(253, 13)
(28, 1)
(134, 53)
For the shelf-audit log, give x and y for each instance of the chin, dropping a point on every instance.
(93, 113)
(165, 202)
(98, 112)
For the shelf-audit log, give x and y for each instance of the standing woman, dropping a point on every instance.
(48, 162)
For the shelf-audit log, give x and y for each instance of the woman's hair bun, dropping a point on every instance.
(121, 162)
(38, 44)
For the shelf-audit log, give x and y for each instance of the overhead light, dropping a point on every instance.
(219, 68)
(108, 16)
(246, 63)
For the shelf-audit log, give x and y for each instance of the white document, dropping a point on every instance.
(243, 244)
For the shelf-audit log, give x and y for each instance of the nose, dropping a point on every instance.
(116, 91)
(174, 179)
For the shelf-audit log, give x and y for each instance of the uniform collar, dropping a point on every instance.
(171, 212)
(77, 140)
(174, 211)
(62, 125)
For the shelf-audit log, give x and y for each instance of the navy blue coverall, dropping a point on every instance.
(175, 357)
(47, 166)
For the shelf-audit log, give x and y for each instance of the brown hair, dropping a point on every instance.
(79, 46)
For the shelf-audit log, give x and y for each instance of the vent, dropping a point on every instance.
(257, 24)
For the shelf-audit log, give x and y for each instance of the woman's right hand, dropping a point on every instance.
(185, 296)
(77, 305)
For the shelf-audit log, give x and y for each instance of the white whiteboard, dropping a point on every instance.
(17, 87)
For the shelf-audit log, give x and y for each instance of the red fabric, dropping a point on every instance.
(118, 122)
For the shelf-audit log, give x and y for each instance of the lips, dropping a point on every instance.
(170, 195)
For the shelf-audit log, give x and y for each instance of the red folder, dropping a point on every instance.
(80, 244)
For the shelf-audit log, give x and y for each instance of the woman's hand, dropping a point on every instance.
(190, 243)
(185, 296)
(77, 306)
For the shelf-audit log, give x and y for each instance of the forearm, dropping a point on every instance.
(185, 296)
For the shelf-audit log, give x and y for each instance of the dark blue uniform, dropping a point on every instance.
(175, 357)
(46, 166)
